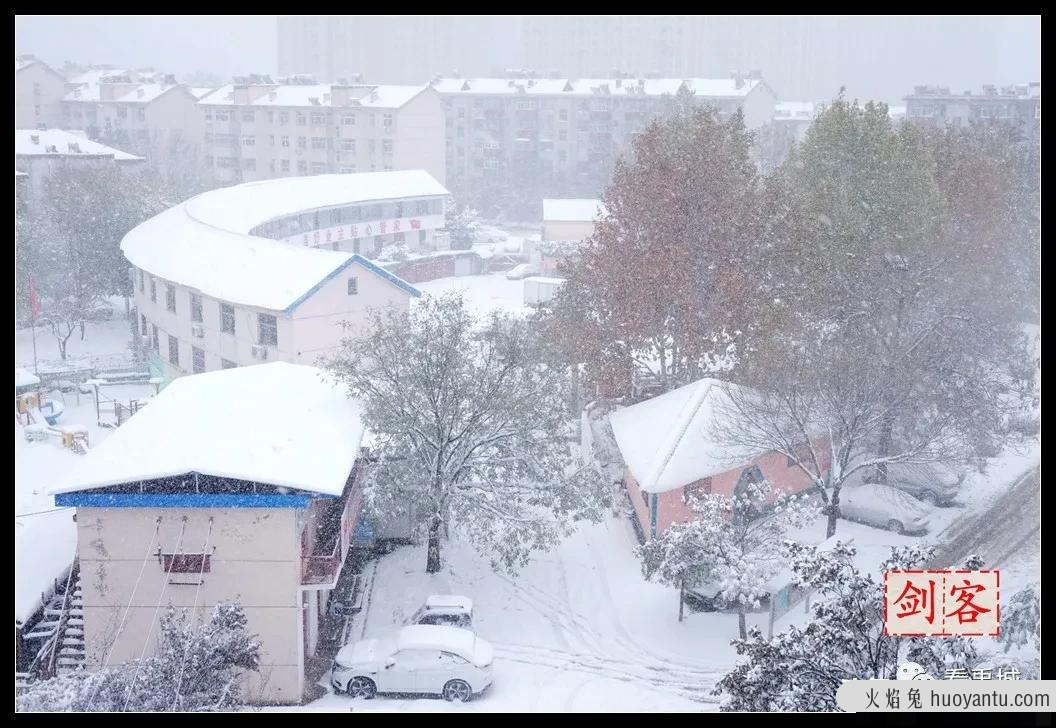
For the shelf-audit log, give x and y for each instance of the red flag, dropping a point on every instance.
(34, 301)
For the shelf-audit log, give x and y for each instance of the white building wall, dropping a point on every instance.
(420, 132)
(38, 97)
(255, 559)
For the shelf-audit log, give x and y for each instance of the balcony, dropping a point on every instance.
(328, 534)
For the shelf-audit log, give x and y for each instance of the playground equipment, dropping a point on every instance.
(74, 437)
(32, 408)
(107, 405)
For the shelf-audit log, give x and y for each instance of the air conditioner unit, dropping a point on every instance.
(260, 352)
(197, 331)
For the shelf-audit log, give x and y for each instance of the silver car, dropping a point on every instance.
(884, 507)
(934, 483)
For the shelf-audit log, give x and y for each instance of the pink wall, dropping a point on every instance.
(671, 508)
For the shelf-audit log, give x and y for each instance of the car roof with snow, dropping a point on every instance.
(453, 602)
(437, 637)
(887, 492)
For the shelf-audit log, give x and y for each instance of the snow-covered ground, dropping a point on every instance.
(482, 294)
(102, 340)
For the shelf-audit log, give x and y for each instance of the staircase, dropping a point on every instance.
(62, 629)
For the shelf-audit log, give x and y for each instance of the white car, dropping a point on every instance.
(522, 270)
(452, 610)
(883, 506)
(426, 659)
(935, 483)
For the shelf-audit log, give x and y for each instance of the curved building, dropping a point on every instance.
(269, 270)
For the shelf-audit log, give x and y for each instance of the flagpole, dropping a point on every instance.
(33, 326)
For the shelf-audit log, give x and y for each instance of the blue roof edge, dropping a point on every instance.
(366, 263)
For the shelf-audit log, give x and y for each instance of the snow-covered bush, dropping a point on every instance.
(196, 668)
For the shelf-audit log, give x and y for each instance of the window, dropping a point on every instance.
(348, 145)
(271, 139)
(421, 236)
(227, 318)
(285, 165)
(318, 142)
(174, 350)
(209, 114)
(696, 489)
(285, 141)
(302, 166)
(185, 563)
(348, 170)
(197, 360)
(268, 329)
(140, 280)
(153, 291)
(250, 165)
(225, 364)
(301, 118)
(348, 120)
(141, 114)
(562, 135)
(196, 308)
(284, 118)
(170, 298)
(249, 141)
(302, 142)
(248, 116)
(386, 146)
(353, 286)
(222, 116)
(143, 324)
(563, 114)
(154, 339)
(318, 120)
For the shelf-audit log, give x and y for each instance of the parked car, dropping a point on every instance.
(451, 610)
(422, 658)
(884, 507)
(936, 483)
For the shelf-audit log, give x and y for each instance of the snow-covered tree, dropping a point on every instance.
(802, 668)
(657, 281)
(473, 429)
(733, 543)
(463, 226)
(875, 324)
(196, 668)
(1021, 620)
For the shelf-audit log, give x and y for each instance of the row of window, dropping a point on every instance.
(302, 118)
(197, 355)
(321, 219)
(317, 143)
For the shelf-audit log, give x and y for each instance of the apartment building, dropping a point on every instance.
(41, 153)
(558, 137)
(257, 129)
(1018, 105)
(271, 270)
(38, 94)
(149, 115)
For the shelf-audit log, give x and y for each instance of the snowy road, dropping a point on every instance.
(577, 630)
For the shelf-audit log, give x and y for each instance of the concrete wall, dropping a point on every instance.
(255, 559)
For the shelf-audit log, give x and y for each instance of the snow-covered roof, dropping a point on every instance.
(23, 377)
(320, 95)
(34, 142)
(281, 424)
(437, 637)
(205, 242)
(140, 93)
(572, 210)
(668, 441)
(20, 174)
(200, 92)
(702, 87)
(546, 280)
(896, 112)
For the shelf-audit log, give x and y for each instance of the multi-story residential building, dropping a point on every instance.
(242, 485)
(560, 136)
(157, 118)
(257, 129)
(41, 153)
(38, 94)
(1017, 105)
(270, 270)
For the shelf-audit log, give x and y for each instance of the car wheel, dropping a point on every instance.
(896, 526)
(931, 498)
(362, 687)
(457, 690)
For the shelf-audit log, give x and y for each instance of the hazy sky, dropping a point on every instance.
(877, 57)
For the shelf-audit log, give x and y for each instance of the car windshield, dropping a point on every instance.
(452, 620)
